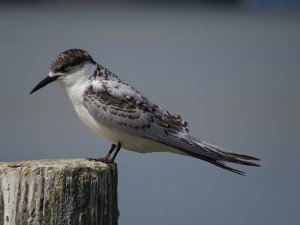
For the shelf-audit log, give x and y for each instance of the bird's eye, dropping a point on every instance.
(64, 68)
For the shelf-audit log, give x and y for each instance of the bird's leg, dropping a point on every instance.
(107, 157)
(116, 152)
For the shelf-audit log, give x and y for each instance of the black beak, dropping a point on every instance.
(43, 83)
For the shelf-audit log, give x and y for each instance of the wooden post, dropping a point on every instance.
(58, 192)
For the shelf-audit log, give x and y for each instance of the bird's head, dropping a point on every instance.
(67, 67)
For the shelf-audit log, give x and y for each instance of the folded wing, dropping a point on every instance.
(119, 106)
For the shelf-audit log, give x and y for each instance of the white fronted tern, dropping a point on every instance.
(118, 113)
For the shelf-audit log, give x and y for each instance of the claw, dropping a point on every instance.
(107, 159)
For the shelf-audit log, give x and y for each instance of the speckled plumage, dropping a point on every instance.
(68, 59)
(120, 114)
(120, 106)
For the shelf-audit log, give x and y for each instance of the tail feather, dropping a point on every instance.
(229, 153)
(217, 163)
(208, 152)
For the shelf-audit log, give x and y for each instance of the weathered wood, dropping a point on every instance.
(58, 192)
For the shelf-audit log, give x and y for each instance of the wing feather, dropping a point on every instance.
(119, 106)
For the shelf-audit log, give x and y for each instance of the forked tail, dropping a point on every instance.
(220, 156)
(209, 153)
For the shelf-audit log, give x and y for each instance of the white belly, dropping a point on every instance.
(74, 87)
(129, 142)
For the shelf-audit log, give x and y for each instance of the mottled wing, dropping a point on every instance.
(119, 106)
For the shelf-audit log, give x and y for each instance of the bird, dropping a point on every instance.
(120, 114)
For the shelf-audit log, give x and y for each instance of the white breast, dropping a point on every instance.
(74, 86)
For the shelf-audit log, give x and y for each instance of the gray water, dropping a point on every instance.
(233, 75)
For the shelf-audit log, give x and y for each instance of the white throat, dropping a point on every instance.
(75, 84)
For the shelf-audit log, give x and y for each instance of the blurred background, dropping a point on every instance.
(230, 68)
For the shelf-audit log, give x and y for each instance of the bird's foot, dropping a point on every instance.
(103, 160)
(107, 159)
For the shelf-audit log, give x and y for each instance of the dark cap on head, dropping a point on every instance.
(70, 58)
(64, 64)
